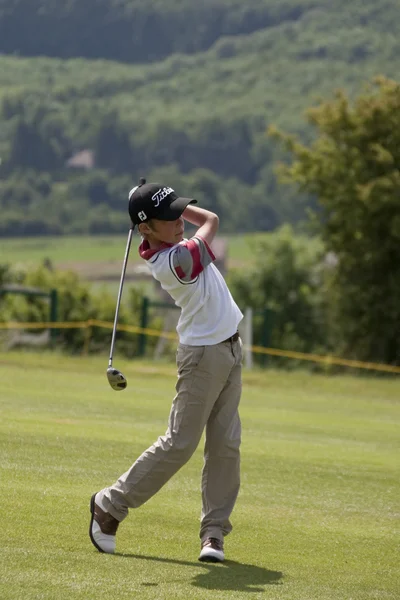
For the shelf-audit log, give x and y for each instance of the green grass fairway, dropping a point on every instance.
(316, 517)
(75, 249)
(63, 249)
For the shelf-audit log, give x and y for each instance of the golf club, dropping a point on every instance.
(115, 378)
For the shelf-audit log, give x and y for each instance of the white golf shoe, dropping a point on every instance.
(103, 528)
(212, 550)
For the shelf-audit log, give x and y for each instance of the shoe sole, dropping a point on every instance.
(210, 559)
(91, 525)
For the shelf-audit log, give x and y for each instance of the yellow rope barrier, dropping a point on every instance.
(45, 325)
(327, 360)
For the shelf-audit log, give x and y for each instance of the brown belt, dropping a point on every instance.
(233, 338)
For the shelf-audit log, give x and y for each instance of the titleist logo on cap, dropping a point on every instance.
(159, 196)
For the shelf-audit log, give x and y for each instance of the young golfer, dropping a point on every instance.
(208, 389)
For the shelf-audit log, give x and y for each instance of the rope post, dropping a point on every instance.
(87, 338)
(247, 328)
(266, 333)
(144, 318)
(53, 295)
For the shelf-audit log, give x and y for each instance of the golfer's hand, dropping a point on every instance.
(206, 221)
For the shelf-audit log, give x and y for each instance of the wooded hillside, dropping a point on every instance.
(193, 109)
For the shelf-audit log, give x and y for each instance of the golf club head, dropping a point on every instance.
(116, 379)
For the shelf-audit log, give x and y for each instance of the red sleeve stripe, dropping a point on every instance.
(194, 250)
(210, 252)
(180, 272)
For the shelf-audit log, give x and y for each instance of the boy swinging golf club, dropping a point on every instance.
(208, 388)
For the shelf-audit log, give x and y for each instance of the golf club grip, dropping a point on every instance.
(121, 285)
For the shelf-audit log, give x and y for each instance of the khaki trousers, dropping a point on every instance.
(207, 397)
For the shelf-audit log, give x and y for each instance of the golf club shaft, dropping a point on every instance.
(121, 285)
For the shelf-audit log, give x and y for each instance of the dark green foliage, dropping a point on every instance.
(77, 303)
(96, 202)
(287, 278)
(133, 31)
(199, 118)
(353, 170)
(31, 150)
(111, 146)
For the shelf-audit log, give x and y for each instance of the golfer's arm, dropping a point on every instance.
(206, 221)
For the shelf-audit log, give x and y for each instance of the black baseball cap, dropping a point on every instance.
(155, 201)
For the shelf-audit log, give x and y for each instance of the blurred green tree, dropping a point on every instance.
(287, 277)
(352, 168)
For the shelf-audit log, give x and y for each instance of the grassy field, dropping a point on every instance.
(98, 259)
(64, 249)
(315, 520)
(100, 249)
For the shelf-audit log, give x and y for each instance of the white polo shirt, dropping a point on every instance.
(209, 315)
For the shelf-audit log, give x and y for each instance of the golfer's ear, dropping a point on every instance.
(144, 229)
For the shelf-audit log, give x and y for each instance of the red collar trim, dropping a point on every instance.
(146, 252)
